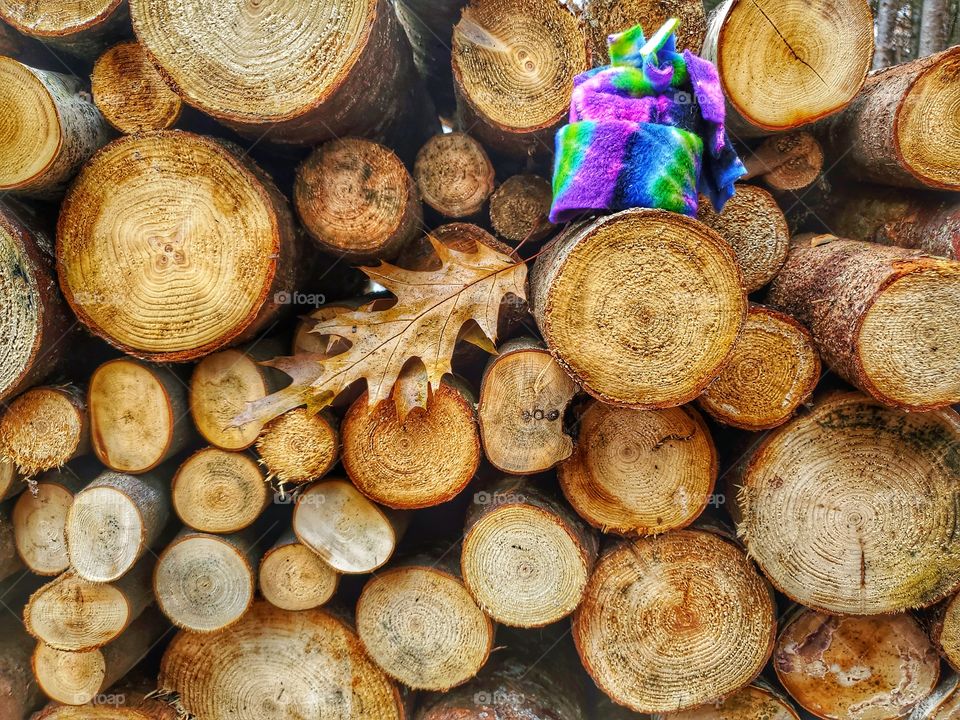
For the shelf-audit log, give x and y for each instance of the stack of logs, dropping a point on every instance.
(712, 471)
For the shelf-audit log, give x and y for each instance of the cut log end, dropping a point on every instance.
(880, 667)
(49, 19)
(609, 299)
(422, 627)
(754, 226)
(293, 577)
(640, 472)
(39, 520)
(774, 367)
(519, 209)
(606, 17)
(454, 175)
(356, 199)
(75, 615)
(30, 125)
(927, 124)
(299, 446)
(673, 622)
(219, 492)
(130, 93)
(787, 162)
(804, 489)
(44, 428)
(72, 678)
(105, 532)
(945, 631)
(420, 461)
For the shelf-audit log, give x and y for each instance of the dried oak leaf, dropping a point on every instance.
(432, 308)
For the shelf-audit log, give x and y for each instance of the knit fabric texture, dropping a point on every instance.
(644, 132)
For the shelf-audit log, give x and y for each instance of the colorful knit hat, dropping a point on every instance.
(638, 129)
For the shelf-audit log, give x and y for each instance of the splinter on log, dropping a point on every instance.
(138, 415)
(50, 128)
(205, 583)
(221, 386)
(81, 28)
(526, 557)
(130, 93)
(519, 208)
(842, 505)
(34, 319)
(75, 678)
(115, 520)
(757, 701)
(523, 397)
(351, 534)
(879, 667)
(419, 624)
(944, 625)
(904, 128)
(76, 615)
(299, 446)
(454, 175)
(786, 64)
(606, 17)
(170, 246)
(40, 517)
(612, 302)
(419, 461)
(293, 577)
(325, 671)
(674, 621)
(302, 73)
(791, 161)
(883, 317)
(513, 67)
(774, 368)
(218, 491)
(357, 200)
(44, 428)
(640, 472)
(754, 226)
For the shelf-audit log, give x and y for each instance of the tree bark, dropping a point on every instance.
(130, 93)
(293, 577)
(81, 29)
(44, 428)
(934, 27)
(881, 316)
(454, 176)
(885, 53)
(299, 446)
(217, 491)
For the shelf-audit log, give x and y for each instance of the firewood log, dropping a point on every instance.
(317, 656)
(754, 226)
(640, 472)
(10, 561)
(523, 398)
(115, 520)
(350, 533)
(454, 175)
(773, 369)
(849, 508)
(882, 317)
(615, 301)
(757, 701)
(293, 577)
(130, 93)
(606, 17)
(124, 707)
(942, 703)
(44, 428)
(51, 128)
(879, 666)
(11, 482)
(299, 446)
(422, 460)
(205, 583)
(40, 517)
(19, 694)
(674, 621)
(805, 60)
(896, 216)
(198, 249)
(76, 615)
(903, 129)
(513, 67)
(217, 491)
(357, 200)
(943, 624)
(791, 161)
(75, 678)
(419, 624)
(519, 208)
(526, 556)
(221, 386)
(308, 72)
(34, 320)
(79, 28)
(138, 415)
